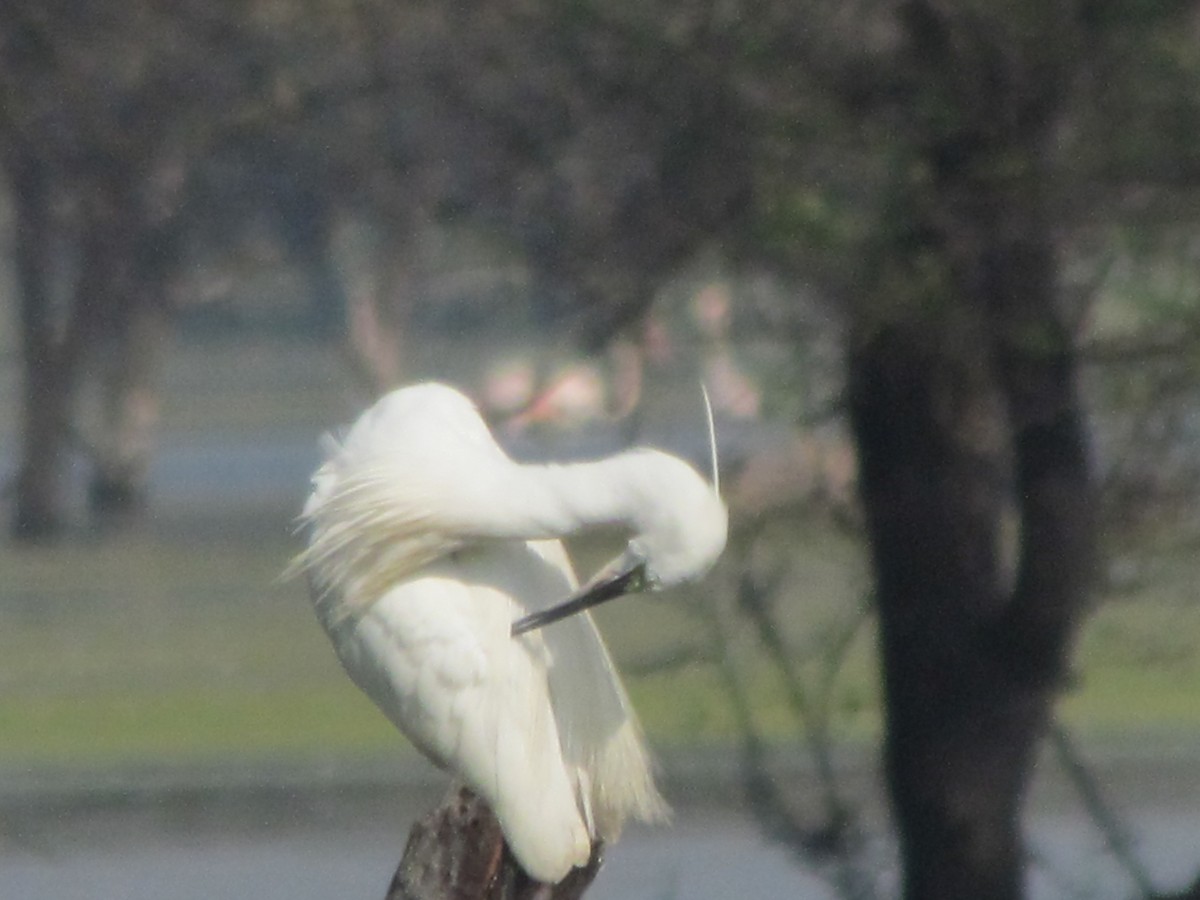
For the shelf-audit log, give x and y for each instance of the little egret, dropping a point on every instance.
(434, 560)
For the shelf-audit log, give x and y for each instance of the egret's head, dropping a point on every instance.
(680, 525)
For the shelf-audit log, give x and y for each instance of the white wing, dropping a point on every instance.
(407, 485)
(525, 722)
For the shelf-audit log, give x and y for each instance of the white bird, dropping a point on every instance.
(427, 542)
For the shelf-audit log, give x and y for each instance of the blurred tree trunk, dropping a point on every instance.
(964, 406)
(130, 387)
(379, 298)
(138, 212)
(46, 362)
(111, 323)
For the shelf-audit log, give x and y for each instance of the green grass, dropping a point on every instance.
(172, 648)
(1138, 662)
(189, 723)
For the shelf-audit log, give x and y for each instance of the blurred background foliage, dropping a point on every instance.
(227, 225)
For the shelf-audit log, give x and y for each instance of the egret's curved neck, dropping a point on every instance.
(559, 500)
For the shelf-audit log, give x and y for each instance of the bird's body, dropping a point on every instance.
(427, 542)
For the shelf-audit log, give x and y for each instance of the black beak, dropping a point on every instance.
(605, 587)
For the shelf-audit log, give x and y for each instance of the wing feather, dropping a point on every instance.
(598, 727)
(396, 494)
(435, 655)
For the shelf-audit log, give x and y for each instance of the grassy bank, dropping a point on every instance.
(175, 646)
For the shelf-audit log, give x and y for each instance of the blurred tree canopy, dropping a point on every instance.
(952, 177)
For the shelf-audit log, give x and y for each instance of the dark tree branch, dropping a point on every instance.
(812, 711)
(1120, 845)
(833, 842)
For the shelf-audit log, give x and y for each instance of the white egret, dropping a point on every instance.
(426, 544)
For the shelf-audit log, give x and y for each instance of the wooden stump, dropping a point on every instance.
(457, 852)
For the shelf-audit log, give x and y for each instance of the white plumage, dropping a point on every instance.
(426, 543)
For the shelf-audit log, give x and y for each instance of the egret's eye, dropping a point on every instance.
(644, 580)
(637, 577)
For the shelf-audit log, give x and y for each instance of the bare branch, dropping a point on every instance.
(457, 852)
(1120, 844)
